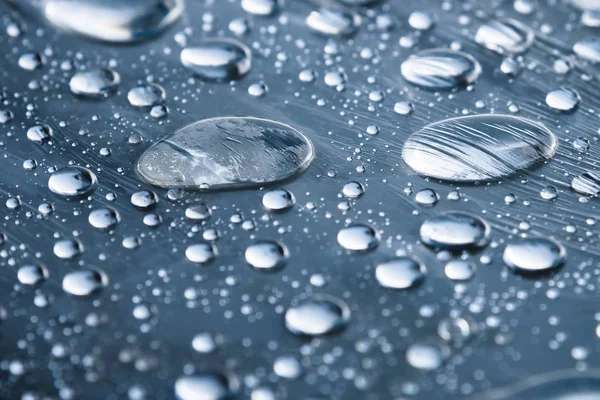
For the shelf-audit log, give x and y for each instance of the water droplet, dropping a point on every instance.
(404, 107)
(261, 7)
(201, 253)
(591, 18)
(455, 231)
(96, 83)
(39, 133)
(478, 148)
(84, 282)
(533, 255)
(318, 315)
(266, 255)
(227, 153)
(72, 181)
(113, 20)
(205, 342)
(31, 61)
(198, 212)
(32, 274)
(588, 49)
(549, 193)
(278, 200)
(146, 96)
(440, 69)
(422, 20)
(287, 367)
(68, 249)
(459, 270)
(426, 356)
(563, 99)
(457, 330)
(427, 197)
(218, 59)
(353, 189)
(144, 199)
(333, 22)
(258, 90)
(505, 36)
(105, 218)
(206, 385)
(358, 237)
(400, 273)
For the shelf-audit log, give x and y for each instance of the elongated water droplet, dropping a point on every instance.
(563, 99)
(206, 385)
(84, 282)
(73, 181)
(455, 231)
(32, 274)
(146, 95)
(318, 315)
(505, 36)
(400, 273)
(332, 22)
(96, 83)
(68, 249)
(440, 69)
(201, 253)
(218, 59)
(266, 255)
(587, 183)
(478, 148)
(261, 7)
(278, 200)
(226, 153)
(358, 237)
(459, 270)
(40, 133)
(105, 218)
(532, 255)
(427, 356)
(588, 49)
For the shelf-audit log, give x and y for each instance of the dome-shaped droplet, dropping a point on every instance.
(266, 255)
(588, 49)
(261, 7)
(318, 315)
(586, 4)
(73, 181)
(455, 231)
(201, 253)
(144, 199)
(427, 197)
(31, 61)
(198, 212)
(587, 183)
(104, 218)
(353, 189)
(478, 148)
(333, 22)
(505, 36)
(146, 96)
(440, 69)
(218, 59)
(563, 99)
(113, 20)
(358, 237)
(84, 282)
(533, 255)
(96, 83)
(32, 274)
(457, 330)
(400, 273)
(206, 342)
(278, 200)
(226, 153)
(206, 385)
(68, 249)
(39, 133)
(427, 356)
(459, 270)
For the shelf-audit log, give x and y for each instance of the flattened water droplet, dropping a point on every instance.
(146, 96)
(505, 36)
(72, 181)
(261, 7)
(105, 218)
(586, 4)
(427, 197)
(287, 367)
(113, 20)
(278, 200)
(144, 199)
(422, 20)
(459, 270)
(68, 249)
(455, 231)
(39, 133)
(31, 61)
(266, 255)
(353, 189)
(478, 148)
(201, 253)
(332, 22)
(318, 315)
(532, 255)
(587, 183)
(440, 69)
(426, 356)
(457, 330)
(358, 237)
(226, 153)
(198, 212)
(32, 274)
(84, 282)
(206, 385)
(96, 83)
(563, 99)
(400, 273)
(218, 59)
(588, 49)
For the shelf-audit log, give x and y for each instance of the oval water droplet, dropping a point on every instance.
(427, 356)
(104, 218)
(207, 385)
(261, 7)
(218, 59)
(588, 49)
(440, 69)
(113, 20)
(68, 249)
(533, 255)
(318, 315)
(358, 237)
(32, 274)
(227, 153)
(146, 96)
(96, 83)
(587, 183)
(201, 253)
(478, 148)
(455, 231)
(278, 200)
(563, 99)
(40, 133)
(72, 181)
(400, 273)
(459, 270)
(266, 255)
(333, 22)
(505, 36)
(84, 282)
(353, 189)
(144, 199)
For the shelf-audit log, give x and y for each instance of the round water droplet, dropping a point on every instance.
(68, 249)
(205, 342)
(226, 153)
(404, 107)
(266, 255)
(113, 20)
(278, 200)
(206, 385)
(588, 49)
(440, 69)
(198, 212)
(478, 148)
(591, 18)
(31, 61)
(333, 22)
(105, 218)
(73, 181)
(426, 356)
(563, 99)
(427, 197)
(258, 90)
(96, 83)
(144, 199)
(32, 274)
(146, 96)
(261, 7)
(400, 273)
(422, 20)
(84, 282)
(505, 36)
(218, 59)
(455, 231)
(201, 253)
(318, 315)
(459, 270)
(532, 255)
(39, 133)
(587, 183)
(358, 237)
(457, 330)
(353, 190)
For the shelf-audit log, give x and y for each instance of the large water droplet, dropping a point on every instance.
(205, 386)
(266, 255)
(218, 59)
(73, 181)
(563, 99)
(226, 153)
(318, 315)
(201, 253)
(84, 282)
(478, 148)
(427, 356)
(440, 69)
(68, 249)
(332, 22)
(96, 83)
(587, 183)
(533, 255)
(455, 231)
(32, 274)
(505, 36)
(358, 237)
(278, 200)
(588, 49)
(400, 273)
(40, 133)
(586, 4)
(261, 7)
(146, 96)
(113, 20)
(105, 218)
